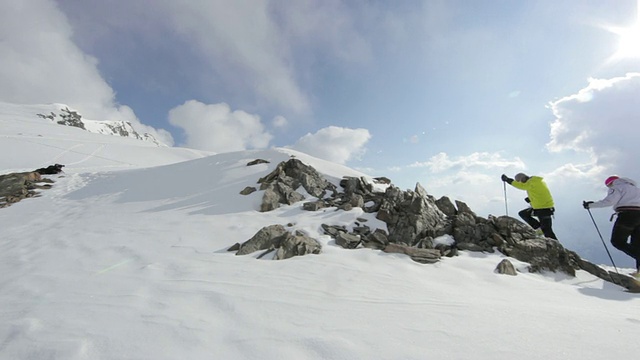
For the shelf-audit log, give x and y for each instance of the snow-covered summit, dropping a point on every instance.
(36, 141)
(62, 114)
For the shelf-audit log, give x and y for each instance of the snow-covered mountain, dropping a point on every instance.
(62, 115)
(125, 257)
(33, 142)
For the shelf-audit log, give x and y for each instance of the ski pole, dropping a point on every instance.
(601, 239)
(506, 208)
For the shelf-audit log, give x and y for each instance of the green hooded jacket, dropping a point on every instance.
(537, 191)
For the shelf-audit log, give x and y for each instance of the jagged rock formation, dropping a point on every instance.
(17, 186)
(281, 184)
(120, 128)
(276, 237)
(117, 128)
(414, 219)
(71, 118)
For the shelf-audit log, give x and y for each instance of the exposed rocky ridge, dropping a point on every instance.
(17, 186)
(69, 117)
(414, 219)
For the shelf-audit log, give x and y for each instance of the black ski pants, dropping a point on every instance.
(543, 220)
(627, 225)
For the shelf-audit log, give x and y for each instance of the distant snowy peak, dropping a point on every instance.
(62, 115)
(118, 128)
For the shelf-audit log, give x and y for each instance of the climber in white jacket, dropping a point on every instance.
(624, 198)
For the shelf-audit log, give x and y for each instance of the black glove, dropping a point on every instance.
(506, 179)
(527, 200)
(585, 204)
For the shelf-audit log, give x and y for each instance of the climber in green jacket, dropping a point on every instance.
(540, 199)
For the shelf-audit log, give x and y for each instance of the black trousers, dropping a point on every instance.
(627, 225)
(543, 220)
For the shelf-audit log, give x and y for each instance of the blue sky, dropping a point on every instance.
(450, 94)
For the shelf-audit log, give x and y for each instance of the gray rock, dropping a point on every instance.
(356, 200)
(257, 161)
(468, 246)
(376, 240)
(297, 245)
(270, 199)
(361, 230)
(276, 237)
(313, 205)
(446, 206)
(17, 186)
(424, 256)
(346, 207)
(269, 236)
(544, 254)
(286, 178)
(288, 195)
(382, 180)
(411, 215)
(333, 230)
(248, 190)
(506, 267)
(347, 241)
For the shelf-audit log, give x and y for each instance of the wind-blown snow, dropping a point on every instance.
(125, 258)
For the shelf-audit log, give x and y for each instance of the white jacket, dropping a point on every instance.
(622, 193)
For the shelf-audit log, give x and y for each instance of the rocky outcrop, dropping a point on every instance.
(412, 217)
(281, 184)
(297, 244)
(265, 238)
(625, 281)
(276, 237)
(72, 118)
(414, 220)
(17, 186)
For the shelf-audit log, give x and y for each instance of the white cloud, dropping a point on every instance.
(569, 174)
(257, 55)
(216, 128)
(334, 143)
(39, 61)
(442, 162)
(602, 120)
(242, 44)
(41, 64)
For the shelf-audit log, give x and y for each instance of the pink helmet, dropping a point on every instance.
(610, 180)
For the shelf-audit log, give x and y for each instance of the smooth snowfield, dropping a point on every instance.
(130, 262)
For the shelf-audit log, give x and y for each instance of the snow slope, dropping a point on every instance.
(30, 142)
(125, 258)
